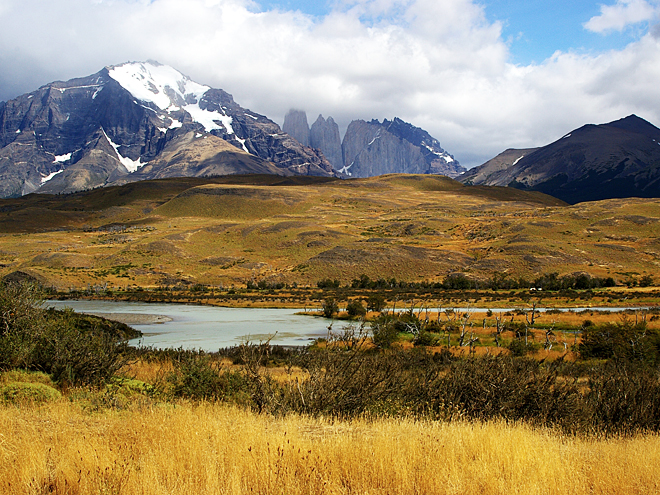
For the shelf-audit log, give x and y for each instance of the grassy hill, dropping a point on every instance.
(229, 230)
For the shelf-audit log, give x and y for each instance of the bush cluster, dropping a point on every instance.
(73, 349)
(347, 376)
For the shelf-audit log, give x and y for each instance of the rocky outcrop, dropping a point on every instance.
(616, 160)
(375, 148)
(296, 126)
(98, 130)
(324, 135)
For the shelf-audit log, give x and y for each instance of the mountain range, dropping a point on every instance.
(374, 148)
(615, 160)
(143, 120)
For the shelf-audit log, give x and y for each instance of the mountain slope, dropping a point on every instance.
(616, 160)
(107, 126)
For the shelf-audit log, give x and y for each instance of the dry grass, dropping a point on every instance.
(408, 227)
(214, 449)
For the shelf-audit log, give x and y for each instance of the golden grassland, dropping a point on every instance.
(215, 449)
(234, 229)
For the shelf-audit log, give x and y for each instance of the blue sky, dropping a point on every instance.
(481, 76)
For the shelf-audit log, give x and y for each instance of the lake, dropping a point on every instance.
(207, 327)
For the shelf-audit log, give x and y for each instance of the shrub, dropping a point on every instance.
(195, 377)
(19, 393)
(427, 339)
(375, 302)
(326, 283)
(330, 307)
(355, 309)
(383, 332)
(624, 341)
(519, 348)
(624, 398)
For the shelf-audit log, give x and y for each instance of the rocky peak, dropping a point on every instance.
(295, 125)
(324, 135)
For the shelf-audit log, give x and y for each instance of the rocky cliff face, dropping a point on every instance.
(98, 130)
(324, 135)
(615, 160)
(375, 148)
(296, 126)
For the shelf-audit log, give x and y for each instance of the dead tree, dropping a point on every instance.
(464, 327)
(499, 328)
(530, 321)
(547, 345)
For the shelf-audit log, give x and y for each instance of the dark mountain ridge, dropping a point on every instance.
(615, 160)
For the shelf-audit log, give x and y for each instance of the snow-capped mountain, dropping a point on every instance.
(105, 128)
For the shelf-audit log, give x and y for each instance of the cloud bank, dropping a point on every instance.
(622, 14)
(438, 64)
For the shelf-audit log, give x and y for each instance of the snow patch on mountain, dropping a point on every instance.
(170, 91)
(129, 164)
(62, 158)
(210, 119)
(345, 170)
(161, 85)
(445, 156)
(50, 176)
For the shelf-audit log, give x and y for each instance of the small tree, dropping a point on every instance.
(330, 307)
(376, 303)
(355, 309)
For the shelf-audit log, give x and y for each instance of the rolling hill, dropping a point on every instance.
(230, 230)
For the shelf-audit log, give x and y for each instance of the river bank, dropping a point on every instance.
(308, 299)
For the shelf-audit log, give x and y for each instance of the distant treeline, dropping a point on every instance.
(459, 281)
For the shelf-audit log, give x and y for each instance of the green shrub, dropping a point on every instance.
(195, 377)
(519, 348)
(74, 350)
(427, 339)
(384, 333)
(375, 302)
(330, 307)
(355, 309)
(19, 393)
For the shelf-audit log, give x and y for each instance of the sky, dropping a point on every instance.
(481, 76)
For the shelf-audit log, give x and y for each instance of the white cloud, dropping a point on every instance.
(621, 15)
(438, 64)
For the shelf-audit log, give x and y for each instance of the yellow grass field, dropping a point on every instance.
(216, 449)
(228, 231)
